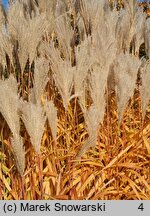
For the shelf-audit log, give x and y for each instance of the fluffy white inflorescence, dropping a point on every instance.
(126, 69)
(51, 112)
(145, 89)
(9, 107)
(40, 79)
(34, 118)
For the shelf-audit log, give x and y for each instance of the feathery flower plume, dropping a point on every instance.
(145, 89)
(19, 152)
(9, 107)
(83, 63)
(147, 37)
(27, 30)
(34, 119)
(63, 73)
(126, 69)
(95, 113)
(51, 112)
(40, 79)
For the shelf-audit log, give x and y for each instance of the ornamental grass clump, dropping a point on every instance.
(74, 100)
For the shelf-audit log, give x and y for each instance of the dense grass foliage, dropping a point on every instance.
(74, 100)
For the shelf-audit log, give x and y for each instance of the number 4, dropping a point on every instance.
(141, 207)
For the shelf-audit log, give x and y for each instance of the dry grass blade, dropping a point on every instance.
(100, 189)
(89, 143)
(114, 160)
